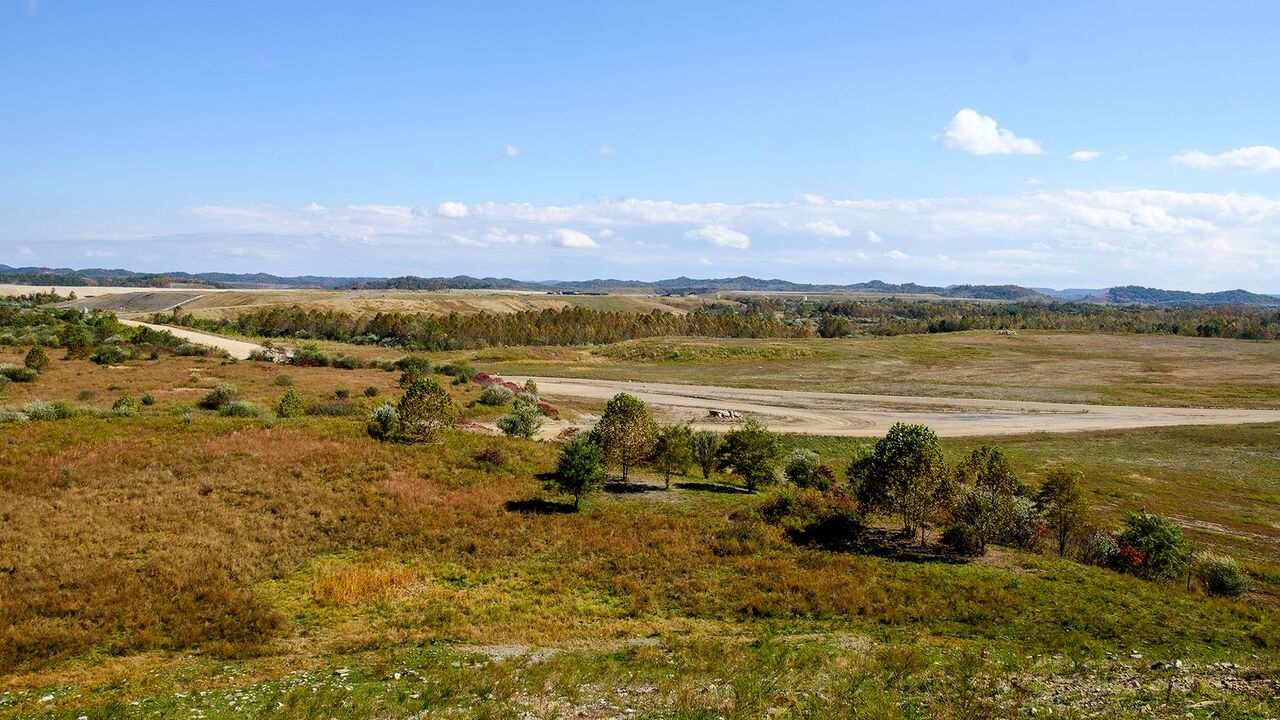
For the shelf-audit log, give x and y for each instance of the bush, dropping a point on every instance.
(381, 364)
(371, 391)
(125, 406)
(414, 365)
(37, 359)
(457, 369)
(523, 421)
(801, 468)
(1220, 575)
(578, 470)
(425, 408)
(189, 349)
(309, 356)
(7, 416)
(1162, 551)
(383, 421)
(964, 538)
(829, 520)
(45, 410)
(1092, 546)
(221, 395)
(284, 380)
(111, 355)
(240, 409)
(290, 404)
(17, 373)
(342, 393)
(490, 457)
(4, 381)
(347, 362)
(148, 399)
(496, 395)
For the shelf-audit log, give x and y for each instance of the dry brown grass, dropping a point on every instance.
(361, 581)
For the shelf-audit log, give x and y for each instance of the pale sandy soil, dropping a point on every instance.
(850, 415)
(846, 414)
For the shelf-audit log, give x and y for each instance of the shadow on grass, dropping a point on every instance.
(893, 545)
(630, 488)
(711, 487)
(538, 506)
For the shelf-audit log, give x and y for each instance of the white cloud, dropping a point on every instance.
(897, 255)
(827, 228)
(511, 151)
(704, 261)
(1085, 155)
(452, 209)
(26, 251)
(981, 135)
(811, 199)
(574, 239)
(720, 236)
(607, 149)
(1259, 159)
(1033, 181)
(874, 237)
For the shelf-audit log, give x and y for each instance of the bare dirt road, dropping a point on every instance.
(237, 348)
(848, 415)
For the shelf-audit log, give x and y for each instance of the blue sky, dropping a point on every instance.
(1065, 144)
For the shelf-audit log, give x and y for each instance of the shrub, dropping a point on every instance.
(284, 380)
(523, 421)
(829, 520)
(371, 391)
(290, 404)
(490, 456)
(309, 356)
(1092, 546)
(4, 382)
(342, 393)
(671, 451)
(37, 359)
(801, 468)
(458, 369)
(125, 406)
(45, 410)
(18, 373)
(705, 446)
(752, 453)
(7, 416)
(381, 364)
(347, 362)
(425, 408)
(1162, 550)
(383, 421)
(531, 387)
(496, 395)
(85, 395)
(240, 409)
(578, 470)
(222, 394)
(1220, 575)
(148, 399)
(414, 364)
(189, 349)
(111, 355)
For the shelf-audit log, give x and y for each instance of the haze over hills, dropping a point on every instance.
(1123, 295)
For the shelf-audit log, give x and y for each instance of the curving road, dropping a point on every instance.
(849, 415)
(842, 414)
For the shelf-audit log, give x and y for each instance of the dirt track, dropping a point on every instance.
(818, 413)
(848, 415)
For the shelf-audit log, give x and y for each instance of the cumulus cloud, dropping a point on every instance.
(452, 209)
(511, 151)
(720, 236)
(607, 149)
(873, 237)
(981, 135)
(574, 239)
(1085, 155)
(897, 255)
(1259, 159)
(827, 228)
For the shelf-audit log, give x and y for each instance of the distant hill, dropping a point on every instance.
(1127, 295)
(1136, 295)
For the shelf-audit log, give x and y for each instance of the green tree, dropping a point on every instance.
(37, 359)
(625, 432)
(425, 409)
(752, 453)
(903, 474)
(578, 470)
(531, 387)
(290, 404)
(986, 508)
(1062, 504)
(671, 452)
(1164, 549)
(523, 420)
(704, 445)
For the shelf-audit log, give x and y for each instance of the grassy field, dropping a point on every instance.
(170, 566)
(1058, 367)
